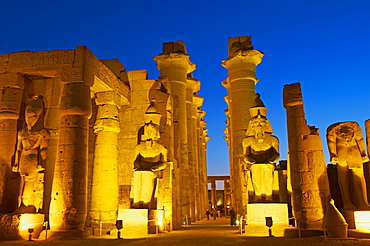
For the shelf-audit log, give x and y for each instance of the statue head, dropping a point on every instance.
(33, 111)
(259, 124)
(151, 127)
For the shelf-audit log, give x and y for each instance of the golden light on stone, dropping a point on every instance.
(362, 219)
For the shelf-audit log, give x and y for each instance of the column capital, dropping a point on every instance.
(193, 84)
(198, 101)
(174, 59)
(253, 57)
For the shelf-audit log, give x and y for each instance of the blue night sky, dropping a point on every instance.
(325, 45)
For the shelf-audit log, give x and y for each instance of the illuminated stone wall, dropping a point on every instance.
(94, 110)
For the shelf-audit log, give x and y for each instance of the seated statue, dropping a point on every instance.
(347, 150)
(151, 156)
(261, 151)
(29, 157)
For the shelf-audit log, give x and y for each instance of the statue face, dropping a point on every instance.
(31, 118)
(345, 133)
(259, 127)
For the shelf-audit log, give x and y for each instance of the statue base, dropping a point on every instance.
(18, 226)
(134, 222)
(156, 221)
(34, 222)
(257, 213)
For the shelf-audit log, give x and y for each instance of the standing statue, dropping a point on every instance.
(347, 150)
(261, 151)
(31, 153)
(151, 156)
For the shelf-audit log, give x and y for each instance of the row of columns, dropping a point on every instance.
(175, 64)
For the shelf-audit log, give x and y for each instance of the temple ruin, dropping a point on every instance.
(88, 148)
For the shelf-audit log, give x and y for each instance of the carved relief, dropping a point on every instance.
(30, 155)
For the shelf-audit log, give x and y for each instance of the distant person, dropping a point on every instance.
(214, 213)
(232, 218)
(207, 213)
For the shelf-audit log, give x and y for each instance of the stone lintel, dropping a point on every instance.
(72, 74)
(137, 75)
(108, 97)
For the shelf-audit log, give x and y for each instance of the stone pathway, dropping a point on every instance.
(202, 233)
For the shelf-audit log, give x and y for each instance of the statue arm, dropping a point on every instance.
(275, 145)
(17, 153)
(44, 143)
(332, 146)
(361, 145)
(246, 151)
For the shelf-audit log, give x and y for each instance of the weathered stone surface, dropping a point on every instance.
(347, 150)
(91, 161)
(307, 164)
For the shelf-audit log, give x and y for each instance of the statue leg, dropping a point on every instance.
(343, 180)
(256, 181)
(360, 188)
(136, 188)
(268, 181)
(21, 188)
(147, 186)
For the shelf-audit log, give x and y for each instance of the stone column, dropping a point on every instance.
(193, 86)
(366, 165)
(200, 202)
(213, 193)
(174, 64)
(68, 209)
(12, 86)
(307, 164)
(104, 195)
(241, 65)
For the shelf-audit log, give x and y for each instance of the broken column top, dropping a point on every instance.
(239, 43)
(174, 47)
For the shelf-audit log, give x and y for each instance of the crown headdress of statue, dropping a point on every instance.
(35, 106)
(151, 114)
(258, 107)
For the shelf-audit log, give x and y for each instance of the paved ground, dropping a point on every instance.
(202, 233)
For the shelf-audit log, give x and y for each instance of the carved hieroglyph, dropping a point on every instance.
(307, 164)
(261, 151)
(347, 150)
(32, 144)
(151, 156)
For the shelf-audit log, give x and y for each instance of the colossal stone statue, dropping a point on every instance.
(151, 156)
(261, 151)
(31, 153)
(347, 150)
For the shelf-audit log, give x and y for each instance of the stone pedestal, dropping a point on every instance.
(362, 221)
(256, 219)
(156, 221)
(31, 221)
(257, 212)
(135, 223)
